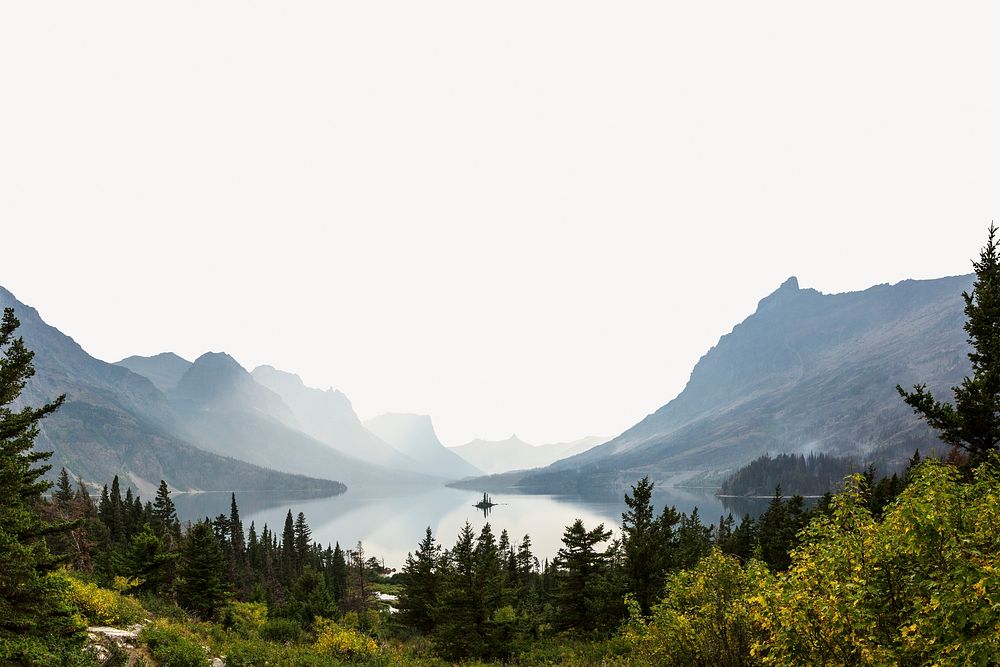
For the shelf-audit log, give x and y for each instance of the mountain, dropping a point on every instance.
(329, 417)
(414, 436)
(224, 410)
(163, 370)
(497, 456)
(115, 422)
(807, 372)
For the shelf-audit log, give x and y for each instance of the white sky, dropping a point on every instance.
(528, 217)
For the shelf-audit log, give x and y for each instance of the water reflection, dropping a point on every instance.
(391, 524)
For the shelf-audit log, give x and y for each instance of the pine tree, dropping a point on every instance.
(458, 621)
(972, 424)
(201, 588)
(116, 522)
(64, 489)
(578, 565)
(644, 546)
(236, 531)
(338, 574)
(34, 621)
(288, 561)
(303, 539)
(421, 575)
(164, 519)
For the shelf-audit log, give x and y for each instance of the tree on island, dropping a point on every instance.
(972, 424)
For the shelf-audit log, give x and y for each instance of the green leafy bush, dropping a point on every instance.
(171, 647)
(282, 630)
(100, 606)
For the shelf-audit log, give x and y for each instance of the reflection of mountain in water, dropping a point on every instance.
(392, 524)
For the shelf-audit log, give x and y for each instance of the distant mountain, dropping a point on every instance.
(329, 417)
(163, 370)
(115, 422)
(224, 410)
(414, 436)
(807, 372)
(216, 382)
(497, 456)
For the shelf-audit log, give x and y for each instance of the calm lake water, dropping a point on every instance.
(390, 525)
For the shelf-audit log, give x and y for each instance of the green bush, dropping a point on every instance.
(101, 606)
(171, 647)
(252, 653)
(245, 619)
(282, 630)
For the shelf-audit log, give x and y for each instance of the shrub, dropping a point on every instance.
(245, 619)
(333, 639)
(101, 606)
(708, 616)
(282, 630)
(172, 647)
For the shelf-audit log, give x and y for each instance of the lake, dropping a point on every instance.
(390, 525)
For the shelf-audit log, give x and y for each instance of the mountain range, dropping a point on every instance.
(116, 422)
(497, 456)
(806, 372)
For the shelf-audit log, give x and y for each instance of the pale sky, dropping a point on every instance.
(528, 217)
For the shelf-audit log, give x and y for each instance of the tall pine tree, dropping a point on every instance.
(972, 424)
(35, 625)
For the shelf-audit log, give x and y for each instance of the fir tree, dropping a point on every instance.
(64, 489)
(34, 620)
(421, 574)
(578, 565)
(201, 588)
(303, 539)
(644, 546)
(972, 424)
(164, 519)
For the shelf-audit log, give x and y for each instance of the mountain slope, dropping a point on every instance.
(806, 372)
(163, 370)
(329, 417)
(115, 422)
(497, 456)
(224, 410)
(414, 436)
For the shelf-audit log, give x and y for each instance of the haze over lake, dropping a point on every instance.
(390, 525)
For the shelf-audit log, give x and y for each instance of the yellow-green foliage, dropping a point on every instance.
(244, 618)
(920, 587)
(100, 606)
(707, 617)
(334, 639)
(173, 645)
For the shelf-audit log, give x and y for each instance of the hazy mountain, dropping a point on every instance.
(117, 422)
(329, 417)
(163, 370)
(414, 436)
(216, 382)
(496, 456)
(806, 372)
(225, 410)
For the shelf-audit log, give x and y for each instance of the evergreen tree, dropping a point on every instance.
(303, 539)
(236, 532)
(201, 588)
(578, 565)
(115, 520)
(64, 489)
(644, 546)
(164, 520)
(147, 562)
(972, 424)
(420, 574)
(35, 624)
(458, 621)
(288, 561)
(338, 574)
